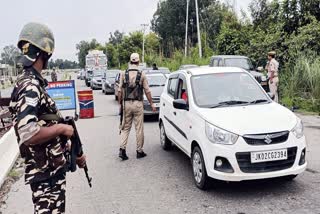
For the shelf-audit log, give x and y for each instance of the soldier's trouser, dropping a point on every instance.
(133, 112)
(274, 88)
(49, 196)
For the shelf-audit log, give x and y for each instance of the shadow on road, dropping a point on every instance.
(249, 189)
(151, 118)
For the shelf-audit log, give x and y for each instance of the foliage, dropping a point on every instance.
(63, 64)
(10, 55)
(302, 85)
(83, 48)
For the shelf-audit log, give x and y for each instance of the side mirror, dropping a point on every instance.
(180, 104)
(271, 95)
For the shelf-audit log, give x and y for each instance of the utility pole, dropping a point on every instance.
(186, 38)
(144, 26)
(198, 29)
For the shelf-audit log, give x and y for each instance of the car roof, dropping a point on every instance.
(210, 70)
(229, 56)
(154, 73)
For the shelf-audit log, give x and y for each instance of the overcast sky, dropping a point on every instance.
(75, 20)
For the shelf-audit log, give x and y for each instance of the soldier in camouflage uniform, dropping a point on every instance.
(39, 141)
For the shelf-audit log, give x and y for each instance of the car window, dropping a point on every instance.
(182, 89)
(215, 62)
(220, 63)
(172, 87)
(156, 80)
(244, 63)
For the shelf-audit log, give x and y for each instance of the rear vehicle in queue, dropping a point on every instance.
(96, 81)
(157, 81)
(108, 81)
(230, 127)
(240, 62)
(88, 76)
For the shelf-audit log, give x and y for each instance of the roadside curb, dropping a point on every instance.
(9, 152)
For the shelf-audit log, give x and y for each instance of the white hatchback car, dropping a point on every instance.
(230, 127)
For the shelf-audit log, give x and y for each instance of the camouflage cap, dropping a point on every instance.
(38, 35)
(272, 53)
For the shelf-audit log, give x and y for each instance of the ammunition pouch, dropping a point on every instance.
(133, 91)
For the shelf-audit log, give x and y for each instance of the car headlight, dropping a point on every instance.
(298, 130)
(220, 136)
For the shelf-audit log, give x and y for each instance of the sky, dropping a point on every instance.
(74, 20)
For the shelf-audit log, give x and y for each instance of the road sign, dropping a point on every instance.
(63, 93)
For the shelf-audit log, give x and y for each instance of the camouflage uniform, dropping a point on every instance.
(54, 77)
(45, 163)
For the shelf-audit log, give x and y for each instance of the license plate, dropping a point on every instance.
(157, 105)
(265, 156)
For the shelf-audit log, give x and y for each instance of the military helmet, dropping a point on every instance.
(33, 39)
(38, 35)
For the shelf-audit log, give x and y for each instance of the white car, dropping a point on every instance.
(230, 127)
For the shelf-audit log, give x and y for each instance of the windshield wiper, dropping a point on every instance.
(259, 101)
(154, 85)
(229, 103)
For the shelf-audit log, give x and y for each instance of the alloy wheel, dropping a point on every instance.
(197, 167)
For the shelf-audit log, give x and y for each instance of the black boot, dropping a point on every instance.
(123, 154)
(141, 154)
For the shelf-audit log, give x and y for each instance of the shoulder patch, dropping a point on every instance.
(32, 101)
(34, 81)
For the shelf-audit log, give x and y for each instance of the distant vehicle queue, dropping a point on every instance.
(213, 114)
(98, 77)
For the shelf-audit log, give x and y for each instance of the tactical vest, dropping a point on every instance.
(133, 91)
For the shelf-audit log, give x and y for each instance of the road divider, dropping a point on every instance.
(9, 152)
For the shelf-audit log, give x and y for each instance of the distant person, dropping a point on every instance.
(130, 94)
(273, 75)
(154, 66)
(54, 76)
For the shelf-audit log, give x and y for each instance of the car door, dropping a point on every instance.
(167, 107)
(180, 117)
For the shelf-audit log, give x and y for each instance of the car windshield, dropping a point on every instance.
(111, 74)
(97, 73)
(226, 89)
(244, 63)
(156, 80)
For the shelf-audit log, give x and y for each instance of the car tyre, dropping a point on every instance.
(164, 140)
(200, 176)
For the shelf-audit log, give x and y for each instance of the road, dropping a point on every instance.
(162, 182)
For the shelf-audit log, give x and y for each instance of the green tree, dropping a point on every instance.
(83, 48)
(10, 55)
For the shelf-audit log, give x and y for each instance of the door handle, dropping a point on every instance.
(175, 113)
(163, 104)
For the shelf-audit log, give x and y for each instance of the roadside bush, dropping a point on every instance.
(300, 83)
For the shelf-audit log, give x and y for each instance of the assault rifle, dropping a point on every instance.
(76, 149)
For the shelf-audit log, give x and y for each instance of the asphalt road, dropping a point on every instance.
(162, 182)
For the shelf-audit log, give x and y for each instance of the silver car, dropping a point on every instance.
(108, 81)
(96, 81)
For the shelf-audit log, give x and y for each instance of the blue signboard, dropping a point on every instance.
(63, 93)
